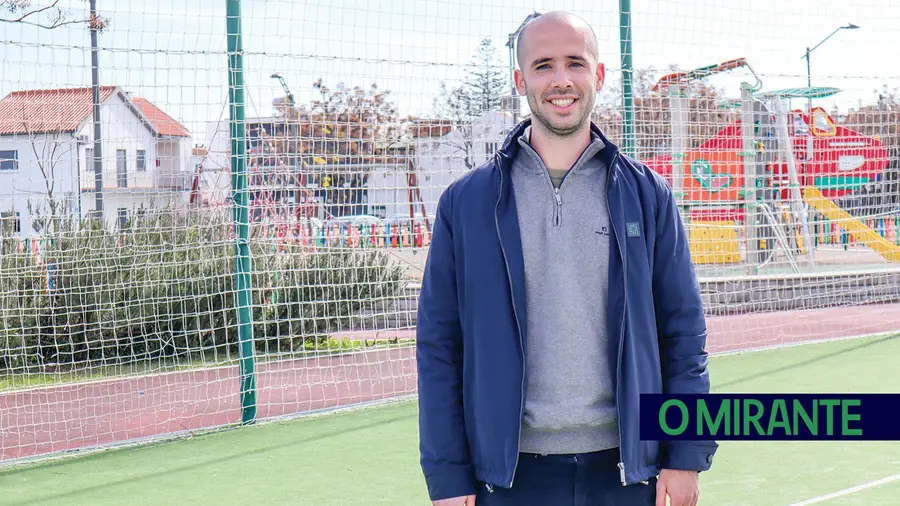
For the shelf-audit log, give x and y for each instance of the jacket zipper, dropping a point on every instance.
(621, 464)
(518, 325)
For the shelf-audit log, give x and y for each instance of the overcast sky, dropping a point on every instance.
(176, 56)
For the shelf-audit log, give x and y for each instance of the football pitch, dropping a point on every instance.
(369, 455)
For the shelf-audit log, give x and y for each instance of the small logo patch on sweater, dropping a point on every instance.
(633, 229)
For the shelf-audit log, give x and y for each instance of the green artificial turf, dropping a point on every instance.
(370, 456)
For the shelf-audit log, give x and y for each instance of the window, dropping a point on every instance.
(489, 149)
(822, 124)
(90, 174)
(10, 223)
(122, 168)
(9, 160)
(123, 217)
(141, 160)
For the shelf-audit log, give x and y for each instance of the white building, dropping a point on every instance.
(445, 152)
(46, 147)
(442, 152)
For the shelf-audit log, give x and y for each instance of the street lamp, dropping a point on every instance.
(511, 44)
(809, 143)
(849, 26)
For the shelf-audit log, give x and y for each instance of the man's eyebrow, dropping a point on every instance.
(540, 61)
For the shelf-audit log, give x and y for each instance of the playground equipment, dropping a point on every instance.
(287, 206)
(764, 172)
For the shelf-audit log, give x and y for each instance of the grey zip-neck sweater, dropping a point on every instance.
(569, 396)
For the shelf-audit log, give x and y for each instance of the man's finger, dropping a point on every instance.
(660, 493)
(677, 498)
(470, 501)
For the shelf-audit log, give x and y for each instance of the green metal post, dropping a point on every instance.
(241, 211)
(625, 36)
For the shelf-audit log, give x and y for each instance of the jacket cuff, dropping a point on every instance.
(689, 456)
(455, 482)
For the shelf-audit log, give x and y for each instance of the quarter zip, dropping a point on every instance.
(557, 211)
(612, 222)
(558, 206)
(516, 315)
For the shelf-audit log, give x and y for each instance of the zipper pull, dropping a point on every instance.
(558, 205)
(622, 473)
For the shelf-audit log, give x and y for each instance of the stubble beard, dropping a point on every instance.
(585, 104)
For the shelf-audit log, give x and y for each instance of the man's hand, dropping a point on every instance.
(682, 487)
(468, 500)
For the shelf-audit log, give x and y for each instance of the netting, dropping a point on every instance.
(223, 212)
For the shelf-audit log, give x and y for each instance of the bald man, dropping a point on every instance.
(558, 288)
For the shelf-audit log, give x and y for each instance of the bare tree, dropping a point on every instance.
(46, 15)
(457, 106)
(48, 150)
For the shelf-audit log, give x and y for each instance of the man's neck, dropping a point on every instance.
(559, 153)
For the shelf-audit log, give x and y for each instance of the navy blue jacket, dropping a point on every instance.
(471, 325)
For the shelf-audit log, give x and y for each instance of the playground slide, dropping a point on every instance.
(853, 226)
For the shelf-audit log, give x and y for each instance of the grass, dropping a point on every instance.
(370, 456)
(780, 473)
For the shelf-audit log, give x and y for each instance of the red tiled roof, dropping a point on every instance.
(63, 110)
(162, 122)
(39, 111)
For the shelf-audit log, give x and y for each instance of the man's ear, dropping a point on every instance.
(520, 81)
(601, 76)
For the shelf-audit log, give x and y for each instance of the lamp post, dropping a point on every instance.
(511, 44)
(809, 143)
(849, 26)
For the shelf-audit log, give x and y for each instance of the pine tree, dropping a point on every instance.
(487, 82)
(479, 93)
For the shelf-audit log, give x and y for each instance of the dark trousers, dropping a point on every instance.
(589, 479)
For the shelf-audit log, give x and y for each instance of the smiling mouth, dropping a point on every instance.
(562, 103)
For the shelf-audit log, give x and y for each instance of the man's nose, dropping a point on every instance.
(562, 79)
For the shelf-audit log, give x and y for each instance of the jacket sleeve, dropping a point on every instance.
(681, 327)
(443, 446)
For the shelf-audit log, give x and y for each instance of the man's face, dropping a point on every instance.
(560, 77)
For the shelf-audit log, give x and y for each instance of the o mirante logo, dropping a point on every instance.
(769, 417)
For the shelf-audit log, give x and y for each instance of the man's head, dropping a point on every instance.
(559, 72)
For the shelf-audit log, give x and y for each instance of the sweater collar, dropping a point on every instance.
(531, 161)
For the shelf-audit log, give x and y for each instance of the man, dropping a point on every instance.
(558, 288)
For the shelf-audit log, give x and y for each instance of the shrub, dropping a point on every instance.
(166, 288)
